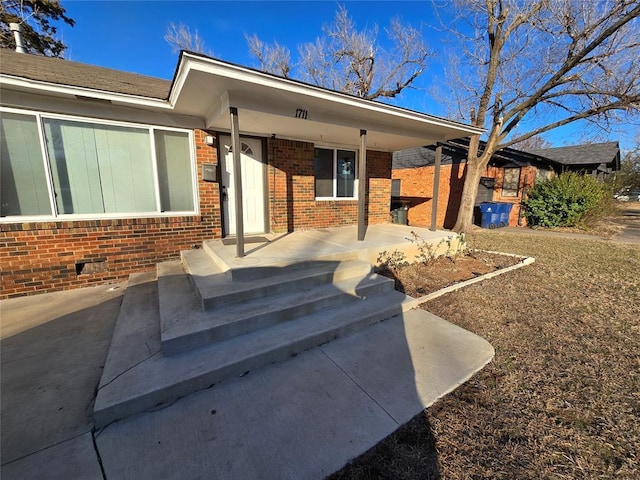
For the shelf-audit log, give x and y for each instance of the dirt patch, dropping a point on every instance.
(419, 279)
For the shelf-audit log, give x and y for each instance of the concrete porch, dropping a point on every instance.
(211, 315)
(216, 374)
(327, 244)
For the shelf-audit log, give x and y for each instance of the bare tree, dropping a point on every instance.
(628, 178)
(532, 143)
(539, 65)
(274, 58)
(351, 61)
(181, 37)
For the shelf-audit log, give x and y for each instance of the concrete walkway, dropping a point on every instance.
(302, 418)
(630, 220)
(52, 350)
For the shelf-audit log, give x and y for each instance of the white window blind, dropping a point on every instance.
(100, 168)
(174, 170)
(23, 183)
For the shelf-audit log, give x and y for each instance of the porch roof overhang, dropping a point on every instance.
(270, 105)
(204, 88)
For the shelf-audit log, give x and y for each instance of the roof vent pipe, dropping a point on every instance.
(16, 28)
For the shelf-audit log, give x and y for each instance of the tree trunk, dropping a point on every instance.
(473, 172)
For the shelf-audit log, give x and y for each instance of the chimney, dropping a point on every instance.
(16, 28)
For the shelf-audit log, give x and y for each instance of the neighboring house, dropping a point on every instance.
(506, 179)
(597, 159)
(104, 173)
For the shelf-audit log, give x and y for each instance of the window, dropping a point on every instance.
(23, 181)
(174, 171)
(81, 167)
(335, 173)
(510, 182)
(99, 168)
(543, 174)
(246, 149)
(396, 187)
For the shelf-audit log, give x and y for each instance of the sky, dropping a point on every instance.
(128, 35)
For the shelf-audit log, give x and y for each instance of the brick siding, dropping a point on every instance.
(41, 257)
(292, 203)
(416, 188)
(528, 175)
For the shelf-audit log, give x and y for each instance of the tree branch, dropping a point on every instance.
(518, 112)
(620, 105)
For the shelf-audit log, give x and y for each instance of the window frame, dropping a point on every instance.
(503, 191)
(334, 150)
(543, 177)
(151, 137)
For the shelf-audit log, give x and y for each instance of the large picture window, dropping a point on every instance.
(76, 167)
(335, 173)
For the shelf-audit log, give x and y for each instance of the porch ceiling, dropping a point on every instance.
(268, 105)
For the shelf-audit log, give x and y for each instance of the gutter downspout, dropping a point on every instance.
(436, 188)
(524, 195)
(362, 185)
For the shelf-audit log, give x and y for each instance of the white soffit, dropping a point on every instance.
(272, 105)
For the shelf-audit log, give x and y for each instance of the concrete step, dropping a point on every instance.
(184, 329)
(243, 271)
(138, 377)
(214, 288)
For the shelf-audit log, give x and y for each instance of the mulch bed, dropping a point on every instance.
(419, 279)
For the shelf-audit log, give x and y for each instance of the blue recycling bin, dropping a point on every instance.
(505, 210)
(490, 214)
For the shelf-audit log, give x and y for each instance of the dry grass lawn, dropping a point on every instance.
(561, 399)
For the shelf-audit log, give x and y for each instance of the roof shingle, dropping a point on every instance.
(65, 72)
(587, 154)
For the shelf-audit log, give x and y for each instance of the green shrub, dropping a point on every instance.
(566, 200)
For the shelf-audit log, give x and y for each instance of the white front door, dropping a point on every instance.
(252, 185)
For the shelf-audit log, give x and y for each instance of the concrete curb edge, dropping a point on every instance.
(452, 288)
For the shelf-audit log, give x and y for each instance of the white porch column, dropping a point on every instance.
(436, 186)
(237, 181)
(362, 185)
